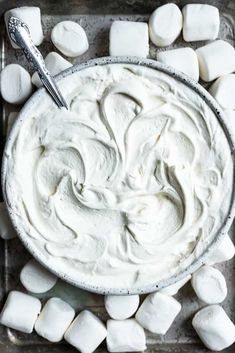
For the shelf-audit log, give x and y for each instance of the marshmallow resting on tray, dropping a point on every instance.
(157, 312)
(165, 25)
(175, 287)
(32, 17)
(201, 22)
(214, 327)
(182, 59)
(215, 59)
(36, 279)
(15, 84)
(20, 311)
(70, 38)
(209, 284)
(86, 332)
(54, 319)
(128, 38)
(120, 307)
(226, 249)
(6, 229)
(55, 63)
(125, 336)
(223, 91)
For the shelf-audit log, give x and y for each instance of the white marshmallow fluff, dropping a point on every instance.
(96, 173)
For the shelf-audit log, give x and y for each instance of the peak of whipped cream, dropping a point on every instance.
(128, 186)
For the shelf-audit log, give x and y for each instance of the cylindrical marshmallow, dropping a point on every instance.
(20, 311)
(70, 38)
(123, 37)
(30, 15)
(54, 319)
(125, 336)
(223, 91)
(182, 59)
(214, 327)
(86, 332)
(15, 84)
(120, 307)
(55, 63)
(36, 279)
(215, 59)
(165, 25)
(157, 312)
(226, 249)
(209, 284)
(201, 22)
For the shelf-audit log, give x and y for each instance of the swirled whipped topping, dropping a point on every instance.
(127, 187)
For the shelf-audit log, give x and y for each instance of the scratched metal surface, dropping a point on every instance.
(96, 17)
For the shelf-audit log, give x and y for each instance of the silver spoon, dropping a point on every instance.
(20, 34)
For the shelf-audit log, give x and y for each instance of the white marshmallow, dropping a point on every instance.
(15, 83)
(215, 59)
(158, 312)
(128, 38)
(10, 121)
(54, 319)
(36, 279)
(174, 288)
(182, 59)
(201, 22)
(165, 25)
(20, 311)
(55, 63)
(70, 38)
(120, 307)
(209, 284)
(6, 229)
(125, 336)
(226, 249)
(86, 332)
(214, 327)
(32, 17)
(223, 91)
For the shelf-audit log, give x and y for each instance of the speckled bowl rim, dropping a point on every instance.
(32, 248)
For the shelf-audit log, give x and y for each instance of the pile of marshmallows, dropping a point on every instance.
(157, 312)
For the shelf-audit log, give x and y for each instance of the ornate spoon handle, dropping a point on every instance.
(19, 33)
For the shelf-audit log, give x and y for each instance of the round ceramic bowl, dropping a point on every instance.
(217, 238)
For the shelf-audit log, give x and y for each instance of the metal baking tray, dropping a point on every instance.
(96, 17)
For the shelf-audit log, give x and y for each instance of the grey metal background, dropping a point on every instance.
(96, 17)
